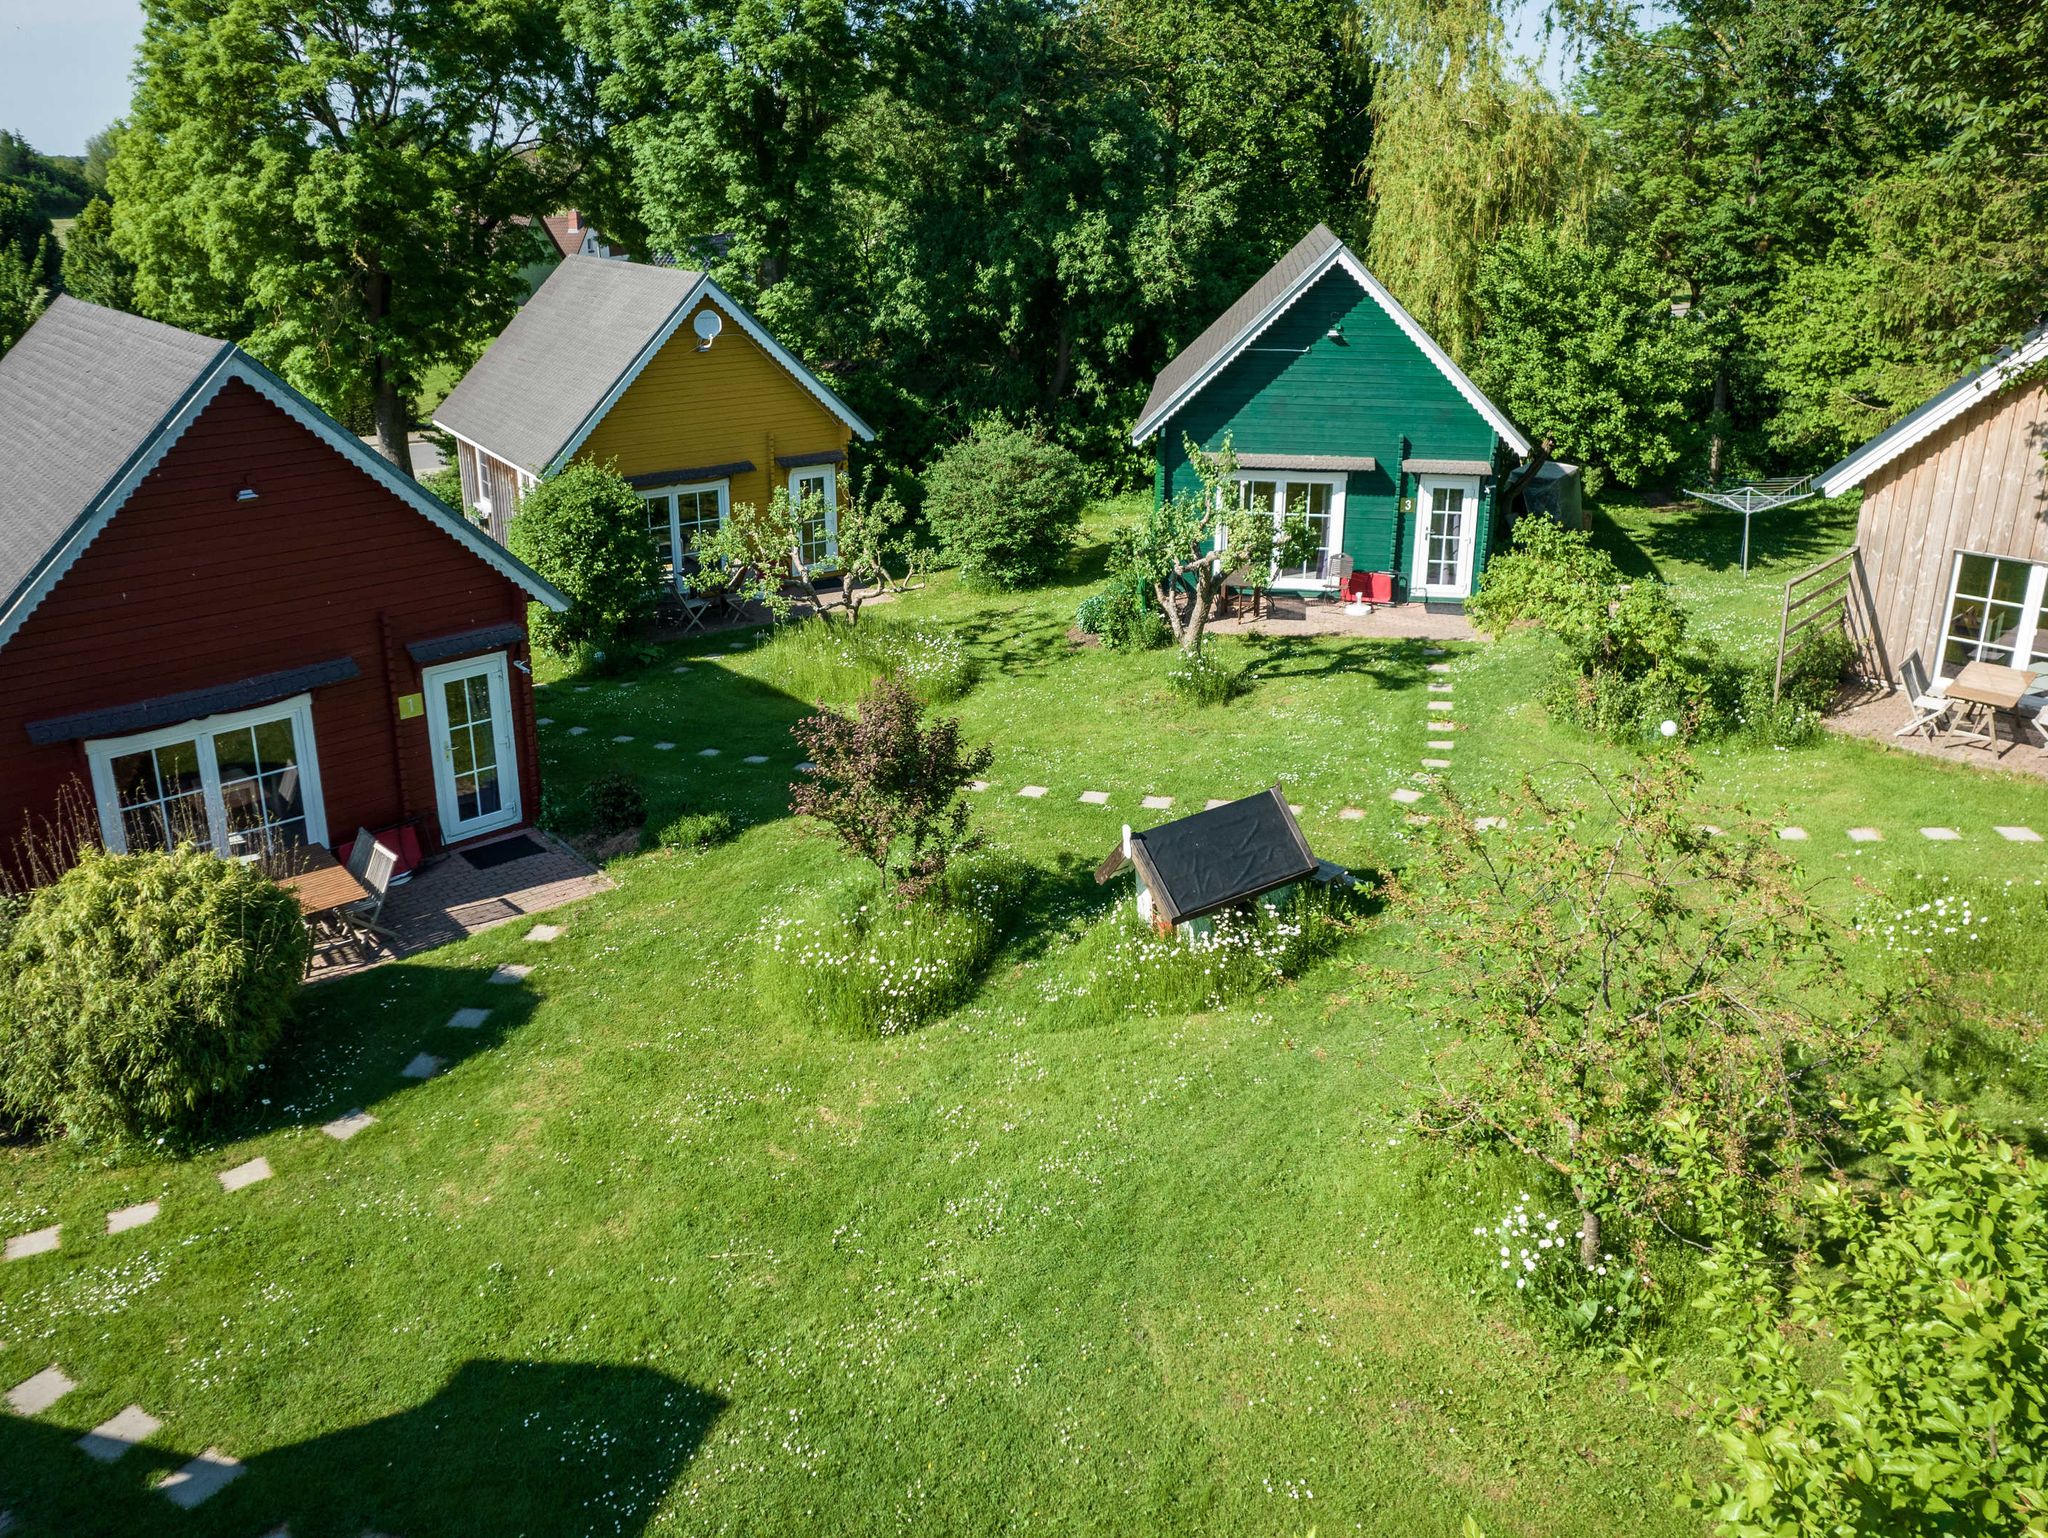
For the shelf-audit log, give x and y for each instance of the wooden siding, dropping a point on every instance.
(501, 483)
(1979, 484)
(729, 403)
(188, 588)
(1296, 391)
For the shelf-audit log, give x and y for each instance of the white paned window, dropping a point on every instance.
(1319, 499)
(818, 486)
(677, 516)
(1994, 614)
(244, 785)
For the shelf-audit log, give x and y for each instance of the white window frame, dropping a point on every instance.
(830, 473)
(2030, 606)
(1468, 544)
(101, 752)
(675, 521)
(1280, 481)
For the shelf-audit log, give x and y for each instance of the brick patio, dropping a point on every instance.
(450, 898)
(1322, 616)
(1876, 715)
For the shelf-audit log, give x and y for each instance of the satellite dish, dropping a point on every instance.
(707, 325)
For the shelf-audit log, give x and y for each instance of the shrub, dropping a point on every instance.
(695, 830)
(446, 483)
(1897, 1390)
(142, 990)
(1004, 503)
(1122, 614)
(835, 664)
(1534, 1258)
(615, 802)
(853, 962)
(1203, 678)
(585, 530)
(890, 786)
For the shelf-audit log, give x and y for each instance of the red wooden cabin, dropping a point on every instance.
(225, 619)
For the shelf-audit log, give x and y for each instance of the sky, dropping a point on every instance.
(64, 65)
(64, 68)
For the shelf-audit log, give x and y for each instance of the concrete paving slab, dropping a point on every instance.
(1439, 688)
(508, 974)
(707, 752)
(1792, 835)
(1439, 667)
(107, 1441)
(1486, 824)
(1441, 705)
(1156, 803)
(1095, 797)
(664, 747)
(579, 731)
(1211, 804)
(121, 1219)
(544, 934)
(1032, 792)
(543, 720)
(807, 767)
(424, 1066)
(977, 784)
(342, 1128)
(1406, 796)
(36, 1242)
(468, 1019)
(1940, 835)
(34, 1395)
(1351, 814)
(623, 737)
(1865, 836)
(206, 1475)
(2017, 835)
(755, 758)
(243, 1175)
(1441, 742)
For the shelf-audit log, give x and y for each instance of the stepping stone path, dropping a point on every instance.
(735, 646)
(583, 688)
(1940, 835)
(1352, 814)
(622, 737)
(1436, 763)
(425, 1066)
(248, 1174)
(1295, 808)
(1406, 796)
(544, 721)
(1095, 797)
(544, 934)
(1439, 688)
(1210, 806)
(664, 747)
(2017, 835)
(1865, 836)
(977, 784)
(468, 1019)
(1441, 705)
(1417, 819)
(1434, 651)
(1792, 835)
(755, 758)
(107, 1441)
(39, 1242)
(1032, 792)
(680, 667)
(1710, 830)
(707, 752)
(1441, 742)
(342, 1128)
(1439, 667)
(1156, 803)
(121, 1219)
(34, 1395)
(207, 1474)
(508, 974)
(807, 767)
(1483, 824)
(578, 731)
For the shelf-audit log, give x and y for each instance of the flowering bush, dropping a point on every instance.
(1537, 1253)
(1204, 678)
(1122, 967)
(856, 963)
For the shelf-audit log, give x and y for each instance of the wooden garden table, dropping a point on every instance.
(1994, 687)
(320, 882)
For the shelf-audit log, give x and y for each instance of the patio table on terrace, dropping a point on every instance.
(321, 883)
(1995, 688)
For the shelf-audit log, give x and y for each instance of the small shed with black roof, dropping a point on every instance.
(1229, 855)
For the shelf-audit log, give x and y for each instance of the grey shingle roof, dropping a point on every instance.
(81, 396)
(547, 371)
(1192, 359)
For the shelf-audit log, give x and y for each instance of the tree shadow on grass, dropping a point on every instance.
(1389, 664)
(551, 1450)
(1695, 534)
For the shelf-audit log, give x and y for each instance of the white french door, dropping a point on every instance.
(1446, 532)
(817, 485)
(476, 754)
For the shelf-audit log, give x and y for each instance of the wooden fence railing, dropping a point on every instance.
(1834, 595)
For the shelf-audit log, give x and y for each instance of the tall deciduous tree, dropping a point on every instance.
(21, 298)
(93, 269)
(337, 182)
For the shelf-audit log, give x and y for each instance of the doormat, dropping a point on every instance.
(504, 852)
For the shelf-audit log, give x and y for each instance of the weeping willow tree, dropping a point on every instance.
(1467, 146)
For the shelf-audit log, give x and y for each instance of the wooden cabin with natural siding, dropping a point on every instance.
(661, 374)
(1953, 530)
(1336, 403)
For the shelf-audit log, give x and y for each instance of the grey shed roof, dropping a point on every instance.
(1279, 280)
(81, 398)
(578, 336)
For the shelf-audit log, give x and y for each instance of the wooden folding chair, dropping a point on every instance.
(1927, 698)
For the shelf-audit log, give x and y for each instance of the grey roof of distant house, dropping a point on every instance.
(82, 395)
(576, 338)
(1224, 331)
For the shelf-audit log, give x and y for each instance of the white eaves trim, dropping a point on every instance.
(1917, 427)
(234, 364)
(731, 308)
(1339, 256)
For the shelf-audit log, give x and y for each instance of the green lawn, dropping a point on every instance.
(645, 1259)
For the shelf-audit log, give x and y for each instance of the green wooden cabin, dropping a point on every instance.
(1338, 404)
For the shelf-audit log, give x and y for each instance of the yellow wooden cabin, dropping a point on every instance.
(661, 373)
